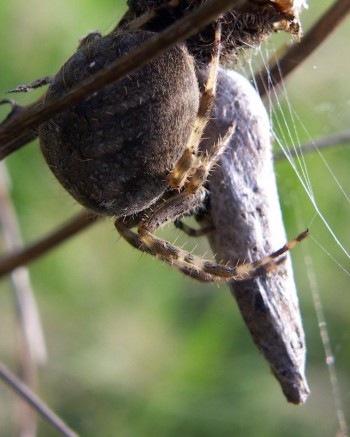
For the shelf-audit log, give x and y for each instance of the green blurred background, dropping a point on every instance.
(134, 347)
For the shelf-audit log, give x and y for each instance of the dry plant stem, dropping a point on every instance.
(317, 145)
(31, 118)
(32, 399)
(18, 142)
(22, 139)
(25, 301)
(33, 251)
(32, 350)
(248, 224)
(297, 53)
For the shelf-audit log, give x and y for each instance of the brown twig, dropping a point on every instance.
(34, 250)
(24, 138)
(33, 400)
(319, 144)
(20, 125)
(297, 53)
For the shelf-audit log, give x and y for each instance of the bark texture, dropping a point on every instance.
(246, 213)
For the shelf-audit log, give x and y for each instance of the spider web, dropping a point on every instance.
(289, 131)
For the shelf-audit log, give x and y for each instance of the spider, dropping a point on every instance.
(132, 150)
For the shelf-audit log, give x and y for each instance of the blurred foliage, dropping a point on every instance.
(135, 348)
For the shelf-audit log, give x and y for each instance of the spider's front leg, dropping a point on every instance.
(190, 160)
(189, 175)
(177, 206)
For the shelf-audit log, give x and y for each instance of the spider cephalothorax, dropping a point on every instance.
(132, 150)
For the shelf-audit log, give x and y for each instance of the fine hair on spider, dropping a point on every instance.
(134, 148)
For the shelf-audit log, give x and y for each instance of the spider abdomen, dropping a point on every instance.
(113, 151)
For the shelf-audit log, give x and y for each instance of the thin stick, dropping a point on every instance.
(34, 250)
(27, 310)
(32, 399)
(32, 350)
(319, 144)
(27, 136)
(297, 53)
(36, 114)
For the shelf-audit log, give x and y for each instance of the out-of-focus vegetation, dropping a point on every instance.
(134, 347)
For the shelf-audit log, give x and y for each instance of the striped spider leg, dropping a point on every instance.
(187, 263)
(188, 177)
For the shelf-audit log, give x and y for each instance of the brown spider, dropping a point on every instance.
(150, 173)
(133, 220)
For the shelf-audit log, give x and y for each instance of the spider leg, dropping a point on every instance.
(200, 215)
(189, 264)
(189, 175)
(198, 176)
(176, 206)
(178, 177)
(192, 232)
(171, 209)
(134, 239)
(33, 85)
(211, 271)
(193, 265)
